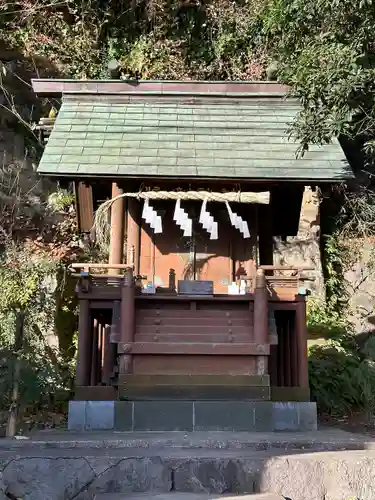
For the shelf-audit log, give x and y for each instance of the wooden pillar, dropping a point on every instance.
(265, 233)
(84, 206)
(94, 353)
(260, 309)
(261, 318)
(301, 330)
(109, 356)
(294, 352)
(116, 249)
(84, 344)
(127, 327)
(287, 354)
(280, 354)
(133, 234)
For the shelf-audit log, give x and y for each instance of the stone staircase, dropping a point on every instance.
(186, 496)
(194, 466)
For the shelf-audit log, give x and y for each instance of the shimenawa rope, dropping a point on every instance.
(101, 223)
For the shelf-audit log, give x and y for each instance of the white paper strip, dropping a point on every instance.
(230, 213)
(158, 229)
(151, 217)
(177, 210)
(207, 221)
(214, 231)
(182, 219)
(203, 212)
(238, 222)
(147, 212)
(144, 211)
(246, 232)
(188, 228)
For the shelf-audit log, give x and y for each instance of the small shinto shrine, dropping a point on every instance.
(188, 325)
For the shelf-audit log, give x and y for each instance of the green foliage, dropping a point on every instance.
(60, 200)
(28, 282)
(324, 321)
(22, 280)
(338, 257)
(341, 379)
(326, 53)
(177, 39)
(342, 376)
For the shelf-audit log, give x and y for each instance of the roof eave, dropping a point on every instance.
(305, 181)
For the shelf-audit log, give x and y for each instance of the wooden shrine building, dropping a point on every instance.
(189, 325)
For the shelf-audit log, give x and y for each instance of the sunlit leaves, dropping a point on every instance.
(22, 280)
(325, 50)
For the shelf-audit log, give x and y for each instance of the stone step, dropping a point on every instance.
(161, 442)
(186, 496)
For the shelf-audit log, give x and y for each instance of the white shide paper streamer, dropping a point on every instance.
(238, 222)
(151, 217)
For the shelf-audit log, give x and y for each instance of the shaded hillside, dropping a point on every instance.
(178, 39)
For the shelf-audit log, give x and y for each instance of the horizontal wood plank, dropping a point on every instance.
(222, 314)
(95, 393)
(194, 393)
(186, 329)
(195, 380)
(195, 320)
(290, 393)
(220, 338)
(186, 348)
(194, 298)
(149, 364)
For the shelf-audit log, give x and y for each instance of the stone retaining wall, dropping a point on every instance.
(80, 474)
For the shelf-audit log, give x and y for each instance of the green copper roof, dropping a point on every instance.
(230, 138)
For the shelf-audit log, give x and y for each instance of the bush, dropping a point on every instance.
(342, 375)
(341, 381)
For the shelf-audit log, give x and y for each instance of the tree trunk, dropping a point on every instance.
(18, 346)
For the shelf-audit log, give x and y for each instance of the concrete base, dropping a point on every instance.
(191, 416)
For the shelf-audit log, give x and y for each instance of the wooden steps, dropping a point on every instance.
(194, 387)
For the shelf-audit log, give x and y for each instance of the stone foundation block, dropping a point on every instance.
(190, 416)
(91, 415)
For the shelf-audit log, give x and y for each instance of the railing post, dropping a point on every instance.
(261, 318)
(83, 371)
(127, 325)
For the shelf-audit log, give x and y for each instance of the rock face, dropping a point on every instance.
(2, 488)
(303, 249)
(360, 277)
(68, 474)
(48, 478)
(321, 476)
